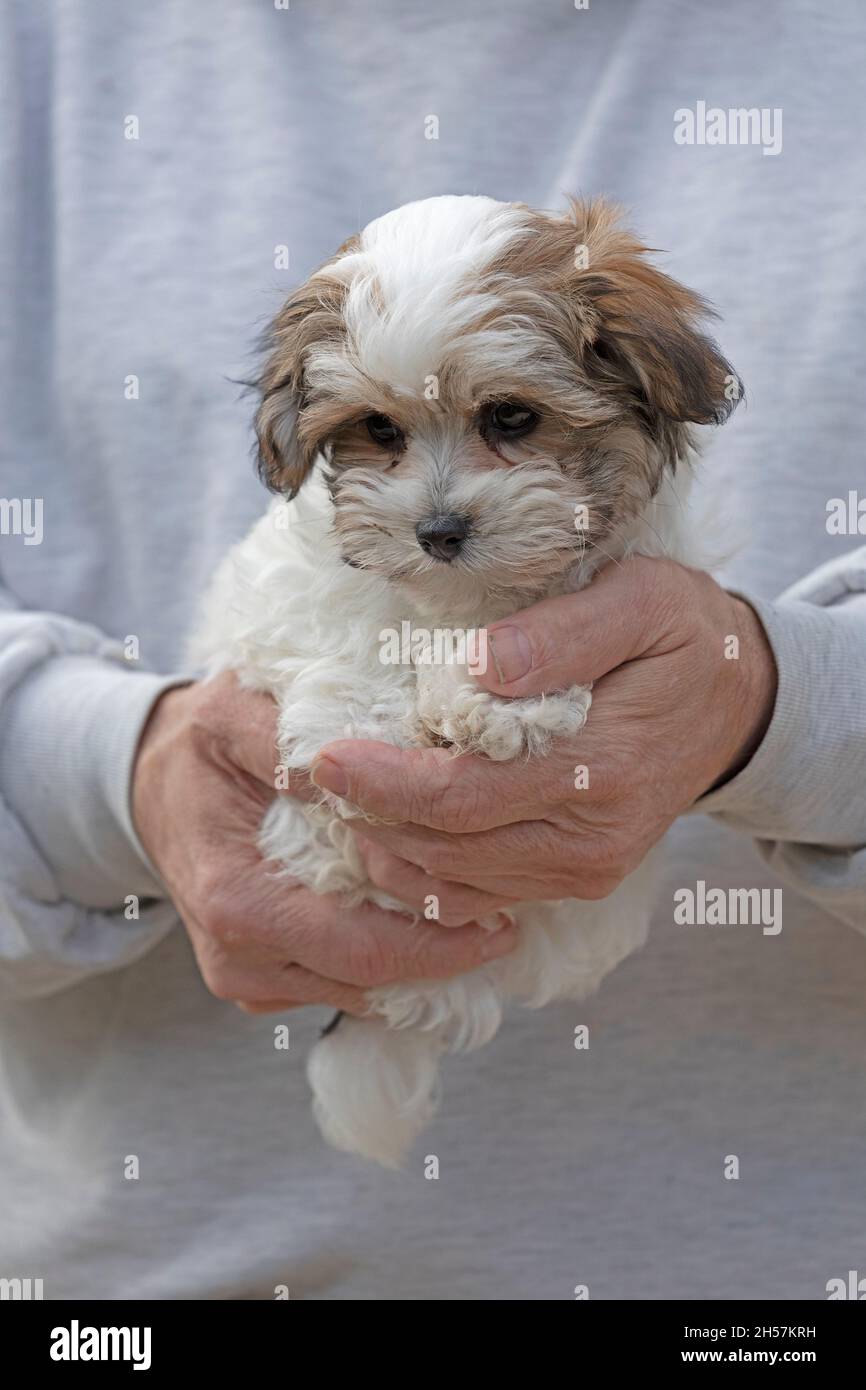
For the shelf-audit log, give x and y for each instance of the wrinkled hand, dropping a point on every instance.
(203, 778)
(674, 712)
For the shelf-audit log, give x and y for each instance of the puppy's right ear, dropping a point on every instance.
(282, 463)
(287, 432)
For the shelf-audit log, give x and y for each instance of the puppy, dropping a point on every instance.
(471, 406)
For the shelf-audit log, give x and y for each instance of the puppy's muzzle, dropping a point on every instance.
(442, 536)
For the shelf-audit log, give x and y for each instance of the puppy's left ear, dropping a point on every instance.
(645, 327)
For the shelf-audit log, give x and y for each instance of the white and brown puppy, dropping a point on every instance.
(473, 405)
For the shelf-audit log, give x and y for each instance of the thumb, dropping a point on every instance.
(575, 639)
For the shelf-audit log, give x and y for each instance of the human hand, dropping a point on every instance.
(673, 714)
(203, 779)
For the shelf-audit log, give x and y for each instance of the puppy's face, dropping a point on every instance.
(494, 392)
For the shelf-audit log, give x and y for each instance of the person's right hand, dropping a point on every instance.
(203, 778)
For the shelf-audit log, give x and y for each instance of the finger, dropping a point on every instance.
(306, 988)
(449, 904)
(366, 946)
(495, 862)
(576, 638)
(430, 786)
(269, 1006)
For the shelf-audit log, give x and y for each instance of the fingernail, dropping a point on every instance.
(511, 652)
(328, 775)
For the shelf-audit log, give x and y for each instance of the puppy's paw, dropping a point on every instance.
(476, 722)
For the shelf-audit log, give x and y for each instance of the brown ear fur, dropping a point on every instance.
(635, 328)
(645, 337)
(287, 441)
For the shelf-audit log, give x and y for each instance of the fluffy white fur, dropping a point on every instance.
(292, 617)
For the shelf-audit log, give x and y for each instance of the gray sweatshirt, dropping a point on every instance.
(158, 162)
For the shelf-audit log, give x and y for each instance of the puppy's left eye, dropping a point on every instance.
(511, 419)
(383, 430)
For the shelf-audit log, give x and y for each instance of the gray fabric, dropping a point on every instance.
(261, 127)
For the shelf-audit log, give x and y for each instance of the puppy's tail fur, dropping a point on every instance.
(374, 1087)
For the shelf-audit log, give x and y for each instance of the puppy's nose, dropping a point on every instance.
(442, 536)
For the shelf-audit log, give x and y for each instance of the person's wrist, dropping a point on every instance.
(148, 773)
(752, 694)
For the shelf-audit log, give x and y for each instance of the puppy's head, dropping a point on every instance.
(493, 391)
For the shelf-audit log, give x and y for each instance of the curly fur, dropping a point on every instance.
(433, 313)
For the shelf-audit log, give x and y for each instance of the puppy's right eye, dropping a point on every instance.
(383, 430)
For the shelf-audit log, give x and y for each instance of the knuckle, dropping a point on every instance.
(435, 858)
(597, 886)
(456, 798)
(218, 922)
(220, 980)
(373, 859)
(385, 872)
(217, 908)
(547, 650)
(209, 889)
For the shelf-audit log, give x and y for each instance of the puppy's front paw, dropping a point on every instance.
(476, 722)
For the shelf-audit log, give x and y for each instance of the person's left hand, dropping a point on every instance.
(674, 712)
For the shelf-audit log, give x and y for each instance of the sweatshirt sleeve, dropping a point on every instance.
(803, 794)
(71, 708)
(77, 894)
